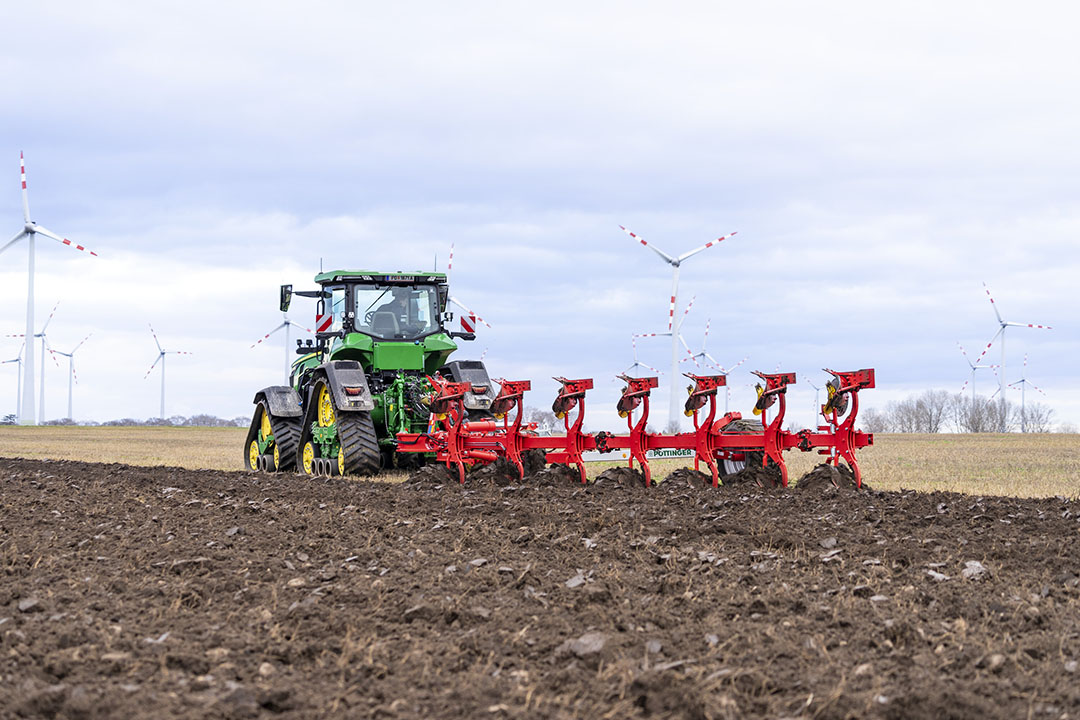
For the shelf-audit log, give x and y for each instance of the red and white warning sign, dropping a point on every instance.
(468, 322)
(323, 322)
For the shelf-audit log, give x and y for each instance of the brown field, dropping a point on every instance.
(1036, 465)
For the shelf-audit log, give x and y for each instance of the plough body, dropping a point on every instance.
(460, 443)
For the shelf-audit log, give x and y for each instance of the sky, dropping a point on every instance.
(879, 163)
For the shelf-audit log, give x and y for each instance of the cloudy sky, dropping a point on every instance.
(878, 163)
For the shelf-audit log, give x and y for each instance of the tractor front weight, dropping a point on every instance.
(460, 443)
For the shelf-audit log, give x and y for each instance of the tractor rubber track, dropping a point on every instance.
(356, 432)
(287, 438)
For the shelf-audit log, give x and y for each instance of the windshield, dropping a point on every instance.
(396, 312)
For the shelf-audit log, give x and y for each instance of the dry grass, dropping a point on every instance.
(1012, 464)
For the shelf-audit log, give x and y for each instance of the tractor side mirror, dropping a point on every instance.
(286, 297)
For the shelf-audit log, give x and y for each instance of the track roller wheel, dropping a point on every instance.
(359, 454)
(251, 458)
(307, 459)
(285, 434)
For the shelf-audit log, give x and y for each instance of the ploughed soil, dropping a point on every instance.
(162, 592)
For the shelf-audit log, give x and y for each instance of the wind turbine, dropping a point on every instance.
(974, 366)
(703, 355)
(71, 369)
(676, 333)
(29, 231)
(286, 323)
(44, 348)
(18, 379)
(1005, 324)
(673, 329)
(161, 358)
(1023, 382)
(637, 363)
(469, 319)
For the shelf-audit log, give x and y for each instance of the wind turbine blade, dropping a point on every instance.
(17, 238)
(267, 335)
(1037, 388)
(155, 338)
(964, 353)
(22, 336)
(963, 387)
(25, 198)
(51, 353)
(49, 319)
(705, 341)
(80, 344)
(62, 240)
(740, 363)
(706, 246)
(1030, 325)
(74, 375)
(658, 251)
(293, 322)
(466, 309)
(178, 352)
(450, 262)
(687, 310)
(993, 304)
(987, 348)
(160, 355)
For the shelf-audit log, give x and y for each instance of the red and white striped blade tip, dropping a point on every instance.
(62, 240)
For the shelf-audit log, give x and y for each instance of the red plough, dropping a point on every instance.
(461, 443)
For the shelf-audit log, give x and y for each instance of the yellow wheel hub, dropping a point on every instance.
(325, 407)
(253, 455)
(341, 461)
(309, 458)
(277, 457)
(265, 426)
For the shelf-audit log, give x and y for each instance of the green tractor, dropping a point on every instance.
(364, 377)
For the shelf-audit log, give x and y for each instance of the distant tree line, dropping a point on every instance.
(202, 420)
(935, 411)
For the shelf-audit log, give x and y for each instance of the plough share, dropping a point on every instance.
(460, 442)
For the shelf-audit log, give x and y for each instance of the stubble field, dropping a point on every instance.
(1035, 465)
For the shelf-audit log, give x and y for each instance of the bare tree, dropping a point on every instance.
(1039, 418)
(875, 421)
(903, 416)
(931, 410)
(546, 422)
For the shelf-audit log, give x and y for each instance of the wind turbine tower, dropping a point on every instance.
(30, 230)
(674, 415)
(71, 370)
(18, 379)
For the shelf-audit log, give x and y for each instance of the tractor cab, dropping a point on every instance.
(385, 307)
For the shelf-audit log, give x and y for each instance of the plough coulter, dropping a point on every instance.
(460, 442)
